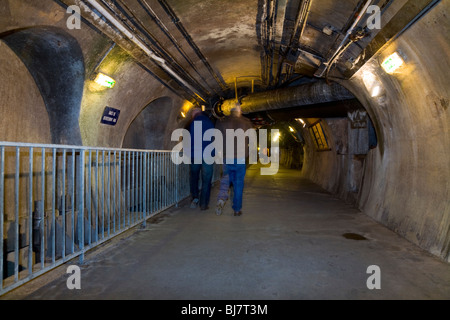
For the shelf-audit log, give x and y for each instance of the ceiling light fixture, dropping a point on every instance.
(105, 81)
(392, 63)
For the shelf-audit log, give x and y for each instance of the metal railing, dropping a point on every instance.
(57, 202)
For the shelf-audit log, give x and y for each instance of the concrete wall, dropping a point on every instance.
(291, 158)
(406, 180)
(152, 128)
(23, 117)
(37, 100)
(134, 91)
(21, 102)
(339, 170)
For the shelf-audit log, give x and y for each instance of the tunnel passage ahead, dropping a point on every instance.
(293, 241)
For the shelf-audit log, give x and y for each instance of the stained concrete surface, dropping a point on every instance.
(294, 241)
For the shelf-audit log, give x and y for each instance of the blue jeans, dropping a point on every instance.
(224, 185)
(207, 173)
(236, 173)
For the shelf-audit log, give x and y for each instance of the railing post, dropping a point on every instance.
(177, 166)
(30, 213)
(72, 200)
(144, 186)
(63, 204)
(53, 200)
(80, 193)
(2, 201)
(16, 216)
(88, 196)
(42, 211)
(113, 209)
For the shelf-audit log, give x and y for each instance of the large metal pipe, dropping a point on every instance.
(306, 94)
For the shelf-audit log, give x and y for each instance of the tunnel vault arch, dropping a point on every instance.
(148, 129)
(55, 61)
(23, 116)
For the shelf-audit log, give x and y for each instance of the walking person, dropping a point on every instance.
(199, 125)
(224, 187)
(235, 162)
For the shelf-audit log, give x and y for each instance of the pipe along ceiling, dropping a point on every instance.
(302, 95)
(286, 50)
(135, 23)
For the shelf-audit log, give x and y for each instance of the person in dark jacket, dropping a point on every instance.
(200, 124)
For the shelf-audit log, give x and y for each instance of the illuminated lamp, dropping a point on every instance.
(276, 137)
(302, 122)
(105, 81)
(392, 63)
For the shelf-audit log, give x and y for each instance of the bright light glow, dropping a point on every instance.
(105, 81)
(276, 137)
(376, 91)
(187, 106)
(183, 114)
(291, 129)
(392, 63)
(369, 80)
(372, 84)
(302, 122)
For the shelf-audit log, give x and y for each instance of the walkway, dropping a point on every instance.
(288, 244)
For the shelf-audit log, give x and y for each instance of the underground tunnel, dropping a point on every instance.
(92, 91)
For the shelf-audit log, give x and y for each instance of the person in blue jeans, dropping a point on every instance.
(234, 165)
(236, 173)
(199, 125)
(224, 188)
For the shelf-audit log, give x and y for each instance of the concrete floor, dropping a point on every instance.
(287, 245)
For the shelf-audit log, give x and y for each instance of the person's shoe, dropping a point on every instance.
(219, 207)
(194, 204)
(204, 208)
(237, 213)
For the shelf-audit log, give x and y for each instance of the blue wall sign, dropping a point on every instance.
(110, 116)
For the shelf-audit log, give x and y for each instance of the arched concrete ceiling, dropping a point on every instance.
(206, 50)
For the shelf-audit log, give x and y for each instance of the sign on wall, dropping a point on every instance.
(358, 119)
(110, 116)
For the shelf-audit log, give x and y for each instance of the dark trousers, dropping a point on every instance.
(205, 193)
